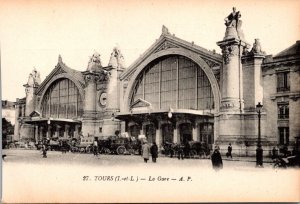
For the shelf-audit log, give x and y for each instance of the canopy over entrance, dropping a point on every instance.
(54, 127)
(176, 126)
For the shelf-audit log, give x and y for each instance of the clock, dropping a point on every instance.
(103, 99)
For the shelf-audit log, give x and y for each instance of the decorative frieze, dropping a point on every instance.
(229, 51)
(166, 45)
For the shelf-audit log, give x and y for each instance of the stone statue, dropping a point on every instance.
(117, 59)
(94, 62)
(233, 25)
(165, 30)
(256, 49)
(34, 78)
(233, 19)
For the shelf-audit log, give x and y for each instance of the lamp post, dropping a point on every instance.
(259, 150)
(170, 113)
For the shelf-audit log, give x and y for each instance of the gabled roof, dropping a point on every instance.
(62, 68)
(290, 51)
(35, 114)
(166, 39)
(140, 103)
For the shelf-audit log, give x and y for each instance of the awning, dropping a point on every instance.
(37, 120)
(163, 113)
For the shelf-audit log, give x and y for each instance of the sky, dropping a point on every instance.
(33, 33)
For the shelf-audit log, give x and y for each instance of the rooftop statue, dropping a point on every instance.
(165, 30)
(233, 25)
(94, 62)
(34, 78)
(256, 49)
(233, 19)
(116, 59)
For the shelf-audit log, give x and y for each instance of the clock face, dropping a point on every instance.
(103, 99)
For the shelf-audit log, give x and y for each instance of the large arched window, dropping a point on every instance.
(174, 81)
(62, 100)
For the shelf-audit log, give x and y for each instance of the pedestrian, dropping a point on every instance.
(216, 159)
(228, 154)
(44, 149)
(145, 151)
(274, 153)
(154, 152)
(187, 148)
(180, 151)
(95, 147)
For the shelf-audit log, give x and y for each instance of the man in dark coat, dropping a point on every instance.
(44, 149)
(154, 152)
(216, 160)
(229, 151)
(186, 150)
(180, 151)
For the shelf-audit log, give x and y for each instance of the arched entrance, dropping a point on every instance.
(150, 131)
(134, 130)
(167, 133)
(185, 131)
(207, 133)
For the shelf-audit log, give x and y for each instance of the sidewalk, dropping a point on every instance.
(234, 158)
(247, 159)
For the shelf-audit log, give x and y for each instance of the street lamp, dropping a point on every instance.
(170, 113)
(259, 150)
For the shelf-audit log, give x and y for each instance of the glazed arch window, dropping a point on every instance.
(62, 100)
(174, 81)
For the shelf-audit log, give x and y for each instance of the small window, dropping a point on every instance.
(283, 81)
(283, 135)
(283, 111)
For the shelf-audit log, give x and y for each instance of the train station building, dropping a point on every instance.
(176, 91)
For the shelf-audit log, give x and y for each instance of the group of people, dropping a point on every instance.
(147, 150)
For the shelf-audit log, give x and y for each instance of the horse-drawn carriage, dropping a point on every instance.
(119, 145)
(190, 149)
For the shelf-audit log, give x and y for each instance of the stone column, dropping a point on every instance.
(195, 132)
(142, 130)
(76, 132)
(49, 131)
(66, 133)
(89, 116)
(232, 75)
(176, 138)
(57, 131)
(41, 132)
(36, 133)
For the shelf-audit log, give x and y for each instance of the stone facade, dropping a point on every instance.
(175, 92)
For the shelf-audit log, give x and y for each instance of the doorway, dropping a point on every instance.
(150, 132)
(207, 133)
(185, 131)
(167, 133)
